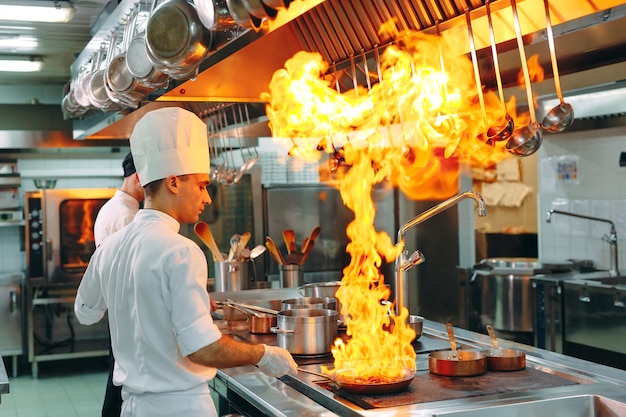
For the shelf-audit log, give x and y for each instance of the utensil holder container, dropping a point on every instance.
(231, 276)
(291, 276)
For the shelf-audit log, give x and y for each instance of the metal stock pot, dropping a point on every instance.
(306, 331)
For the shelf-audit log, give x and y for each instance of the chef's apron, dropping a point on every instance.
(196, 402)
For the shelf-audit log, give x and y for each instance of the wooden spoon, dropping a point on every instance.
(314, 234)
(271, 246)
(204, 233)
(290, 240)
(243, 241)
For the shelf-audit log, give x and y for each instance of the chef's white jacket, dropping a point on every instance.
(114, 214)
(153, 282)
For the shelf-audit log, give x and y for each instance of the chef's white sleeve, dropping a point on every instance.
(89, 306)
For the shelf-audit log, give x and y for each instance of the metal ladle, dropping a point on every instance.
(562, 115)
(526, 140)
(503, 130)
(479, 87)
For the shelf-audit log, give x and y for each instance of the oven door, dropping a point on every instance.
(68, 217)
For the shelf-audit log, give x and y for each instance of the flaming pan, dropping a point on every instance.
(341, 382)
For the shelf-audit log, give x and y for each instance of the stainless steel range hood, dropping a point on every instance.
(589, 39)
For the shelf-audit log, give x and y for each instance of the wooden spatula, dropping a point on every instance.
(271, 246)
(290, 240)
(204, 233)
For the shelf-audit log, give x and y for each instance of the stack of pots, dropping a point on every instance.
(324, 289)
(307, 326)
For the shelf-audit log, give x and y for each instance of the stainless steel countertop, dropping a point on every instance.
(278, 397)
(4, 380)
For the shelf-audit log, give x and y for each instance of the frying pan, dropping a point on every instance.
(339, 382)
(504, 359)
(456, 363)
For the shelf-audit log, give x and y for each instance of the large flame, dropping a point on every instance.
(411, 128)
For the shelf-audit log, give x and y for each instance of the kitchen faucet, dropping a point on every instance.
(611, 239)
(402, 263)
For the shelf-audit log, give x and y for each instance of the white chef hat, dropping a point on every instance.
(169, 141)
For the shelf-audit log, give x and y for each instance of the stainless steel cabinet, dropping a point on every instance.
(11, 304)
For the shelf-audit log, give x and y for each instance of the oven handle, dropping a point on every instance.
(49, 249)
(13, 304)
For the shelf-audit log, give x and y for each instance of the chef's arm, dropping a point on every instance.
(227, 353)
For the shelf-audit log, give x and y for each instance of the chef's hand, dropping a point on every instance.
(277, 362)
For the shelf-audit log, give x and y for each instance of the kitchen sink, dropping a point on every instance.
(571, 406)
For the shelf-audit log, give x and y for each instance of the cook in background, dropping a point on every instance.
(153, 282)
(122, 207)
(115, 214)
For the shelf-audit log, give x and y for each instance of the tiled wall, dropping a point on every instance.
(598, 189)
(81, 169)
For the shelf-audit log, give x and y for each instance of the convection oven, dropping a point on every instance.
(59, 233)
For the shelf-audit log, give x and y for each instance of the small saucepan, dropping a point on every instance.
(258, 323)
(456, 362)
(504, 359)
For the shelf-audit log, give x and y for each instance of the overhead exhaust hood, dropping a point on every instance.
(589, 35)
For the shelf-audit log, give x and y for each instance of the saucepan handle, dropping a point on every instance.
(282, 331)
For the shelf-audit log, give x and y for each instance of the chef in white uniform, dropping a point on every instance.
(153, 282)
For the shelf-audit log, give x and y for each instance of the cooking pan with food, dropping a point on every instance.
(343, 380)
(456, 362)
(504, 359)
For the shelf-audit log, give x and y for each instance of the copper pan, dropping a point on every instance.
(504, 359)
(258, 323)
(456, 362)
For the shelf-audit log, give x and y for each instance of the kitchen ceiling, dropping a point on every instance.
(57, 43)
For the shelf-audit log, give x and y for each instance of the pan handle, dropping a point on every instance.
(282, 331)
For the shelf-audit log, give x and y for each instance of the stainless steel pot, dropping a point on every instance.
(324, 289)
(139, 65)
(177, 41)
(214, 15)
(310, 302)
(306, 331)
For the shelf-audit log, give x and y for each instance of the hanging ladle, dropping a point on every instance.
(562, 115)
(526, 140)
(479, 87)
(505, 126)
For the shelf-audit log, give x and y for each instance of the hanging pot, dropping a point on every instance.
(214, 15)
(177, 41)
(139, 65)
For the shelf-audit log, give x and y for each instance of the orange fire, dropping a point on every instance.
(412, 129)
(86, 224)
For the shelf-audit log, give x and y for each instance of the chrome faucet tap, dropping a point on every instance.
(611, 238)
(402, 264)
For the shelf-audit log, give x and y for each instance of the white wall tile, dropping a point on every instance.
(601, 192)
